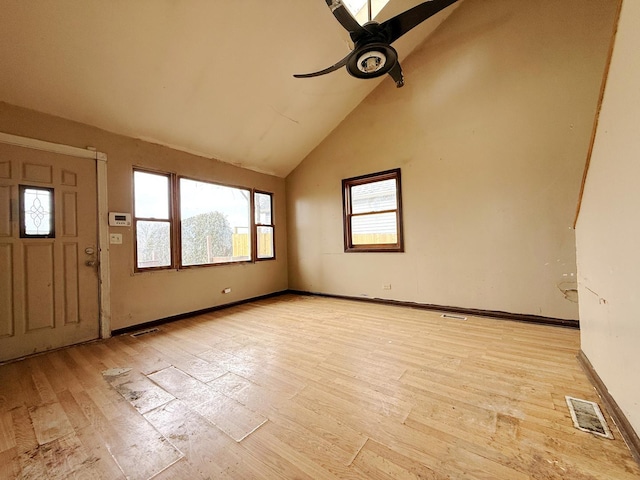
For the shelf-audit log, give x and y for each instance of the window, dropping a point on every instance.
(153, 220)
(36, 212)
(373, 213)
(182, 222)
(362, 9)
(265, 246)
(215, 223)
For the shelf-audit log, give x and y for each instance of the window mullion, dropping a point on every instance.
(174, 199)
(253, 226)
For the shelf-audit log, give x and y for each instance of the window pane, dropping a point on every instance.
(37, 212)
(265, 242)
(151, 195)
(263, 208)
(359, 10)
(215, 223)
(374, 197)
(153, 241)
(374, 229)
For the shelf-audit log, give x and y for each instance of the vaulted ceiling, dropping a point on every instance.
(208, 77)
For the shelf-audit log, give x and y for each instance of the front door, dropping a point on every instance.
(48, 251)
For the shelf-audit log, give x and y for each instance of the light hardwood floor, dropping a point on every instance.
(303, 387)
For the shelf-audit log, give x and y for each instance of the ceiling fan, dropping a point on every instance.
(373, 55)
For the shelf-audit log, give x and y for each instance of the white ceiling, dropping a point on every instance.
(208, 77)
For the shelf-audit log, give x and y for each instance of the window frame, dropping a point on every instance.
(178, 207)
(175, 222)
(347, 215)
(256, 225)
(171, 220)
(21, 212)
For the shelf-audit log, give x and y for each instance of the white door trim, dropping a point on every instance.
(104, 284)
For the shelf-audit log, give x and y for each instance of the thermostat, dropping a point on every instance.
(117, 219)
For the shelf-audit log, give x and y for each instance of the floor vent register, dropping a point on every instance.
(588, 417)
(145, 332)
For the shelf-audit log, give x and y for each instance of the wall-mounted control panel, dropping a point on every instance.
(118, 219)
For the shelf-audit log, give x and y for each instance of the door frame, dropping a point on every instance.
(100, 158)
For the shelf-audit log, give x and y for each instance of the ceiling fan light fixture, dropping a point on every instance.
(371, 61)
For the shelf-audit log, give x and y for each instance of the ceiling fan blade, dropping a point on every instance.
(396, 74)
(400, 24)
(330, 69)
(345, 18)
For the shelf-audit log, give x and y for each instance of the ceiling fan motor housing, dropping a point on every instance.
(372, 60)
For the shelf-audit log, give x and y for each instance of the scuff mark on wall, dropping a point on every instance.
(601, 301)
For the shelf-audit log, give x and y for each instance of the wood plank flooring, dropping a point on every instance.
(299, 387)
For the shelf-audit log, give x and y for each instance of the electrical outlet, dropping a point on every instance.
(226, 290)
(386, 286)
(115, 238)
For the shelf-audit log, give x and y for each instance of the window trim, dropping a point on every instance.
(256, 225)
(347, 214)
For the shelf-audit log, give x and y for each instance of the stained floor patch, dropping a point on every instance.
(137, 389)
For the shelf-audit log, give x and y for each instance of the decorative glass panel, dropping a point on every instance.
(36, 212)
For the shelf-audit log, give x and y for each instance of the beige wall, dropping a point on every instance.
(491, 131)
(608, 229)
(142, 297)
